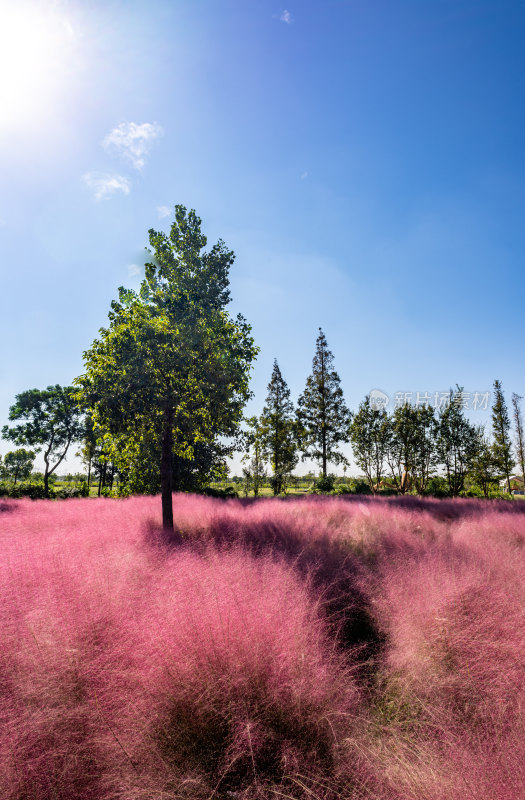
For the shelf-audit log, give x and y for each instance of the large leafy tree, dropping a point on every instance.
(369, 435)
(483, 469)
(277, 430)
(322, 413)
(501, 445)
(402, 445)
(458, 442)
(411, 449)
(18, 464)
(169, 376)
(49, 421)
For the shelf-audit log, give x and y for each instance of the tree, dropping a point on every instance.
(18, 464)
(169, 376)
(401, 452)
(51, 420)
(254, 473)
(369, 435)
(278, 430)
(501, 446)
(483, 467)
(519, 433)
(322, 413)
(457, 442)
(425, 456)
(88, 450)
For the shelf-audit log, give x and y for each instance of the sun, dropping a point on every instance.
(36, 42)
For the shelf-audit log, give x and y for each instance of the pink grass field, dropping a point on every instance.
(307, 648)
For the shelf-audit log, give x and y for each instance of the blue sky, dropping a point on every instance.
(364, 160)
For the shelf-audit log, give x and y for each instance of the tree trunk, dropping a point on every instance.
(166, 472)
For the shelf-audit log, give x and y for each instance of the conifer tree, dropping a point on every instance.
(519, 433)
(278, 430)
(501, 446)
(322, 413)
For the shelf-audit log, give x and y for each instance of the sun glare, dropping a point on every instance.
(36, 42)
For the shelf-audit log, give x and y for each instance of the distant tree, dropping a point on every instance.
(18, 464)
(457, 442)
(169, 377)
(278, 430)
(425, 455)
(369, 435)
(519, 434)
(88, 449)
(401, 451)
(483, 467)
(51, 421)
(322, 415)
(254, 472)
(501, 445)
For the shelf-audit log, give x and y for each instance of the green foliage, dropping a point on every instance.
(17, 464)
(169, 376)
(483, 470)
(359, 486)
(35, 491)
(224, 494)
(501, 446)
(437, 486)
(519, 434)
(458, 443)
(325, 484)
(370, 436)
(277, 430)
(66, 492)
(322, 414)
(254, 472)
(50, 421)
(411, 451)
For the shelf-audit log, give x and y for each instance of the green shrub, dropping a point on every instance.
(224, 494)
(72, 491)
(437, 487)
(324, 485)
(33, 490)
(360, 486)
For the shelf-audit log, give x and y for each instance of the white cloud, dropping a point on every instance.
(104, 184)
(133, 269)
(132, 142)
(286, 17)
(163, 211)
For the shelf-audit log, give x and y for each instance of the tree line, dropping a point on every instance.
(160, 403)
(404, 450)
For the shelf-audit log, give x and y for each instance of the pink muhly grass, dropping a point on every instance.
(128, 672)
(320, 648)
(238, 674)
